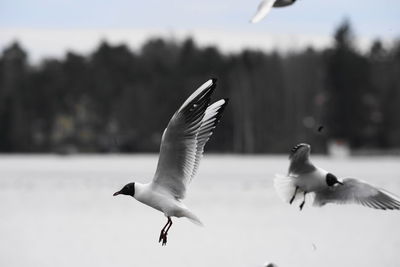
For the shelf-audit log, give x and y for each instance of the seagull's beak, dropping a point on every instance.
(339, 182)
(116, 193)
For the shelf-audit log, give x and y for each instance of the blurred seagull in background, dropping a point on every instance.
(270, 264)
(181, 149)
(265, 6)
(303, 178)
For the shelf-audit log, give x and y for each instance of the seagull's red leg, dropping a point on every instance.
(162, 234)
(304, 201)
(166, 231)
(294, 195)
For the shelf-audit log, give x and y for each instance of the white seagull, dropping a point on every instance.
(181, 149)
(265, 6)
(304, 177)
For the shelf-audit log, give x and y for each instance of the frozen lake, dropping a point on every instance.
(59, 211)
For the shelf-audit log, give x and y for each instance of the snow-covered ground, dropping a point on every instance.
(59, 211)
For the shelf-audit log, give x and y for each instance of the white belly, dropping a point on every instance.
(161, 201)
(313, 181)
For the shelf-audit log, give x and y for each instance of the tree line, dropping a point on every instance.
(118, 100)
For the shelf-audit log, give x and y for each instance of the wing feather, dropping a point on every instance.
(300, 159)
(263, 9)
(210, 121)
(356, 191)
(184, 138)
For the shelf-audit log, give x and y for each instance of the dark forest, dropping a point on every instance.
(119, 100)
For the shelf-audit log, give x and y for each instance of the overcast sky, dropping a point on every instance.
(50, 27)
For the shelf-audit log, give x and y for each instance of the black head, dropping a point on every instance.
(331, 180)
(128, 189)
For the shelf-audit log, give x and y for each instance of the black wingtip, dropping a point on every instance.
(222, 107)
(213, 85)
(296, 147)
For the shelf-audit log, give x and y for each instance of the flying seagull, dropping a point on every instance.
(304, 177)
(181, 150)
(265, 7)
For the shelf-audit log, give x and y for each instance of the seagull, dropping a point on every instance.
(270, 264)
(265, 6)
(304, 177)
(181, 150)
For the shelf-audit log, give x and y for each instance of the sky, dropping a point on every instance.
(48, 28)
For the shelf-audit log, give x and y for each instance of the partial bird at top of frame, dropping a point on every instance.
(265, 7)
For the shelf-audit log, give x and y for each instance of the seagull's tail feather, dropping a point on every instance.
(285, 186)
(193, 218)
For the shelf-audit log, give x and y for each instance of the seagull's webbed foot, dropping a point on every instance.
(164, 240)
(304, 201)
(294, 195)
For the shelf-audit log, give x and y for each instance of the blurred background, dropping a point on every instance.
(99, 77)
(81, 78)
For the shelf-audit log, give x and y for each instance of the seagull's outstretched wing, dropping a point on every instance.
(356, 191)
(263, 9)
(184, 138)
(210, 120)
(300, 159)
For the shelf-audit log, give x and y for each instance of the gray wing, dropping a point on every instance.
(263, 9)
(184, 138)
(359, 192)
(210, 120)
(300, 159)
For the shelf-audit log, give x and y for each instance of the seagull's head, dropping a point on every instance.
(301, 150)
(128, 189)
(331, 180)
